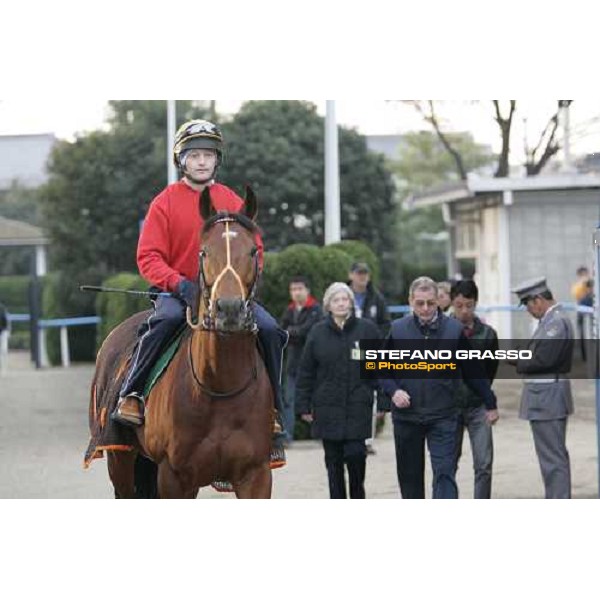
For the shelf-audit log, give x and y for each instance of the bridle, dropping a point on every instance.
(209, 291)
(208, 323)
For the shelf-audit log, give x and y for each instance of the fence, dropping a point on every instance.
(395, 310)
(45, 324)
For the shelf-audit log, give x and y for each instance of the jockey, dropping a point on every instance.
(167, 257)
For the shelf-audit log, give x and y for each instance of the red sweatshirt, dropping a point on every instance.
(169, 243)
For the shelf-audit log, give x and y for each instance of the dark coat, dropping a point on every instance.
(434, 398)
(298, 324)
(329, 384)
(485, 338)
(375, 309)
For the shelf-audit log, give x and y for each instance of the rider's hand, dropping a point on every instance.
(188, 291)
(308, 418)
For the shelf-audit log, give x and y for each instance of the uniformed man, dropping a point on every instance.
(546, 401)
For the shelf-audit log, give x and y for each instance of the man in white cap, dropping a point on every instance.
(546, 401)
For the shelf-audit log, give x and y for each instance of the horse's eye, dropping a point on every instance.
(253, 251)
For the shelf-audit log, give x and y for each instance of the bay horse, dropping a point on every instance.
(209, 417)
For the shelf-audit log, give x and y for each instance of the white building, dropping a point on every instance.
(512, 229)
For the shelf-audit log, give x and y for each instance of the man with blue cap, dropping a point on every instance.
(546, 401)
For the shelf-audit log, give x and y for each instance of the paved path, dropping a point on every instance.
(43, 435)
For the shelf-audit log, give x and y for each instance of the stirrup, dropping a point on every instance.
(128, 420)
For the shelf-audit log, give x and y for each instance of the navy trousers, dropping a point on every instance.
(410, 440)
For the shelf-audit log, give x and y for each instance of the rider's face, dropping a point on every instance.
(200, 165)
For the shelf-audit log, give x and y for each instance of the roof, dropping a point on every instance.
(17, 233)
(464, 190)
(23, 159)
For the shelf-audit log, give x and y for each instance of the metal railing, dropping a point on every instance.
(63, 324)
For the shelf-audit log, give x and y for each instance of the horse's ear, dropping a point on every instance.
(206, 208)
(251, 204)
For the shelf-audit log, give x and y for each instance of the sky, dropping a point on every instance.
(67, 117)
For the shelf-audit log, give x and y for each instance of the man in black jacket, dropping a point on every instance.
(298, 319)
(369, 304)
(368, 300)
(425, 408)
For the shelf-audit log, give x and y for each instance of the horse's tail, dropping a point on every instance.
(145, 478)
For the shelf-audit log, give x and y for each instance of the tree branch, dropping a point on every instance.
(534, 166)
(505, 126)
(432, 119)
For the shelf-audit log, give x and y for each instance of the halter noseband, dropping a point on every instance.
(209, 291)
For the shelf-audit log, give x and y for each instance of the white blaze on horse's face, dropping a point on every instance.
(227, 234)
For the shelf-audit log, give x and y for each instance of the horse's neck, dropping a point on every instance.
(221, 357)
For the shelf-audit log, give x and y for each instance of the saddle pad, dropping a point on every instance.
(162, 363)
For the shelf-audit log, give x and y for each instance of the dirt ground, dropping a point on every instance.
(43, 435)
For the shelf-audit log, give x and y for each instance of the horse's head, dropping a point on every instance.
(228, 273)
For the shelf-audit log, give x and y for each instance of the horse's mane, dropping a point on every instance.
(243, 220)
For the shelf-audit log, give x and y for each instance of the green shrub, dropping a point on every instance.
(321, 266)
(61, 298)
(114, 308)
(14, 291)
(14, 294)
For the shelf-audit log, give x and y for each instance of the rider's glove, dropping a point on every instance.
(188, 292)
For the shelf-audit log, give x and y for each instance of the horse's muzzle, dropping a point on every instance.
(231, 314)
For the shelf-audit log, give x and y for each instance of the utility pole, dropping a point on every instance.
(332, 177)
(171, 123)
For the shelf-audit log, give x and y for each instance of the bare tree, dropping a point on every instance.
(505, 124)
(537, 158)
(430, 117)
(547, 144)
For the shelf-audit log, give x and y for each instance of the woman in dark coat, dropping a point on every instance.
(331, 394)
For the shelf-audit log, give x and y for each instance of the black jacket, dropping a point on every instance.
(329, 384)
(298, 324)
(375, 309)
(484, 337)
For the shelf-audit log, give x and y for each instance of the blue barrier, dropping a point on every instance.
(63, 322)
(405, 308)
(70, 322)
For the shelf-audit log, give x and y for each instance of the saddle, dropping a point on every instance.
(108, 435)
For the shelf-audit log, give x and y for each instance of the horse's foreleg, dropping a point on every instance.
(170, 484)
(258, 484)
(121, 472)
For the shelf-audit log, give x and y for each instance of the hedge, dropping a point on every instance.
(14, 294)
(114, 308)
(320, 265)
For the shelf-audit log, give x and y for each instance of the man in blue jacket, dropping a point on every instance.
(425, 408)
